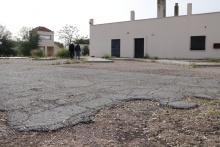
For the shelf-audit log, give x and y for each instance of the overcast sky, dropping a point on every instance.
(15, 14)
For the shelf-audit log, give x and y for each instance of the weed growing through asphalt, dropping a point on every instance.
(212, 60)
(5, 63)
(73, 61)
(106, 56)
(56, 63)
(192, 65)
(67, 62)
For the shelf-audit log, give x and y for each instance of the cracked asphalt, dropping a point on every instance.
(41, 96)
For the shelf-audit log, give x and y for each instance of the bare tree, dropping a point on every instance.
(68, 34)
(24, 33)
(4, 33)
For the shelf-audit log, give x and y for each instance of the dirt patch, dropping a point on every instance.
(136, 123)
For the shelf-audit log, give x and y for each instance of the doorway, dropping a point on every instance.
(116, 47)
(50, 51)
(139, 47)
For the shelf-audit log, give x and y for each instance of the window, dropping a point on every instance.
(45, 37)
(216, 46)
(197, 43)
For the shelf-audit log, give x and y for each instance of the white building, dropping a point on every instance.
(47, 41)
(194, 36)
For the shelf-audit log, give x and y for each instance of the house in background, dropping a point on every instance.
(192, 36)
(47, 41)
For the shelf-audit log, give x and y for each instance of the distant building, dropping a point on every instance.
(47, 41)
(193, 36)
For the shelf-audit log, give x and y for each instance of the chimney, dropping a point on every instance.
(189, 9)
(161, 8)
(132, 15)
(91, 22)
(176, 10)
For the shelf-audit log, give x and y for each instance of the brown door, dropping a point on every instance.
(50, 51)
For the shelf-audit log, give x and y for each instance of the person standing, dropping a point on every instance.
(71, 49)
(78, 50)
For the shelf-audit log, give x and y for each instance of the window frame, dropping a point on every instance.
(40, 37)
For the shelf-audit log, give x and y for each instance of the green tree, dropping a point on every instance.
(85, 50)
(59, 44)
(82, 40)
(24, 48)
(30, 41)
(6, 44)
(68, 34)
(34, 39)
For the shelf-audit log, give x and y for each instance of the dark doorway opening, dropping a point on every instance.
(139, 48)
(116, 47)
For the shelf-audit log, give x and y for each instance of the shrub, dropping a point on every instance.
(63, 53)
(85, 51)
(106, 56)
(37, 53)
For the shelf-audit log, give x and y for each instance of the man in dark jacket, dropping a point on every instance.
(71, 49)
(78, 50)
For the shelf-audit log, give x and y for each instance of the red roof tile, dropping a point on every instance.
(43, 29)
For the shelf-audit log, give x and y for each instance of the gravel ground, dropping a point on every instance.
(156, 68)
(132, 123)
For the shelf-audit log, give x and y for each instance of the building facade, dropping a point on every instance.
(46, 41)
(189, 37)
